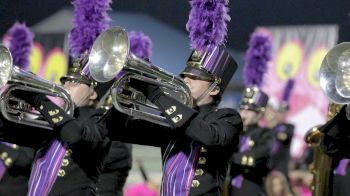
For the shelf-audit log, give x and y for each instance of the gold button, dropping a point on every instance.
(203, 149)
(250, 161)
(4, 155)
(65, 162)
(244, 160)
(69, 152)
(195, 183)
(282, 136)
(171, 110)
(177, 118)
(202, 160)
(57, 119)
(251, 143)
(61, 173)
(14, 146)
(199, 172)
(8, 162)
(53, 112)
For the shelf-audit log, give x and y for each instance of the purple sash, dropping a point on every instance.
(243, 147)
(179, 168)
(45, 168)
(341, 168)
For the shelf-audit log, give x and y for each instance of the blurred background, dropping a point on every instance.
(302, 33)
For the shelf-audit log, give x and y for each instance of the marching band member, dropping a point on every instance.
(70, 158)
(16, 161)
(283, 134)
(249, 166)
(118, 162)
(200, 140)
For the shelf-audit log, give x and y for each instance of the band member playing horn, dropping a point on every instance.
(334, 81)
(70, 157)
(118, 162)
(200, 140)
(16, 161)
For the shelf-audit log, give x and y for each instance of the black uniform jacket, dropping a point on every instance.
(116, 169)
(336, 137)
(253, 163)
(83, 161)
(17, 161)
(217, 130)
(283, 134)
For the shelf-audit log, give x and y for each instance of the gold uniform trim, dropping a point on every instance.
(251, 143)
(177, 118)
(57, 119)
(202, 160)
(250, 161)
(8, 162)
(199, 172)
(171, 110)
(61, 173)
(68, 152)
(65, 162)
(53, 112)
(244, 160)
(4, 155)
(195, 183)
(204, 149)
(282, 136)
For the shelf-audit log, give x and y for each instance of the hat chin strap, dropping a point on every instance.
(78, 104)
(205, 93)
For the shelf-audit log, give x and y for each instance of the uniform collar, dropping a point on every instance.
(206, 108)
(85, 110)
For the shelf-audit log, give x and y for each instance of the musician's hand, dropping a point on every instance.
(32, 98)
(151, 91)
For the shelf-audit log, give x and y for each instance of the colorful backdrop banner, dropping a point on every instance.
(298, 52)
(48, 59)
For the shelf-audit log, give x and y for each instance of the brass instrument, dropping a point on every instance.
(14, 79)
(335, 83)
(109, 58)
(321, 167)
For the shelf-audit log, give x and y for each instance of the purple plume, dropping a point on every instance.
(258, 55)
(207, 24)
(90, 19)
(288, 90)
(21, 42)
(140, 45)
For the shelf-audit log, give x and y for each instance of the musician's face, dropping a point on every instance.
(197, 88)
(81, 94)
(249, 117)
(277, 186)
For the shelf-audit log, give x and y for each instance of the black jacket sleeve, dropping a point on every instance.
(336, 136)
(124, 128)
(218, 130)
(24, 135)
(87, 127)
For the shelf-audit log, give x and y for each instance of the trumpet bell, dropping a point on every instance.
(335, 74)
(105, 62)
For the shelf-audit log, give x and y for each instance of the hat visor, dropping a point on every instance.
(197, 73)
